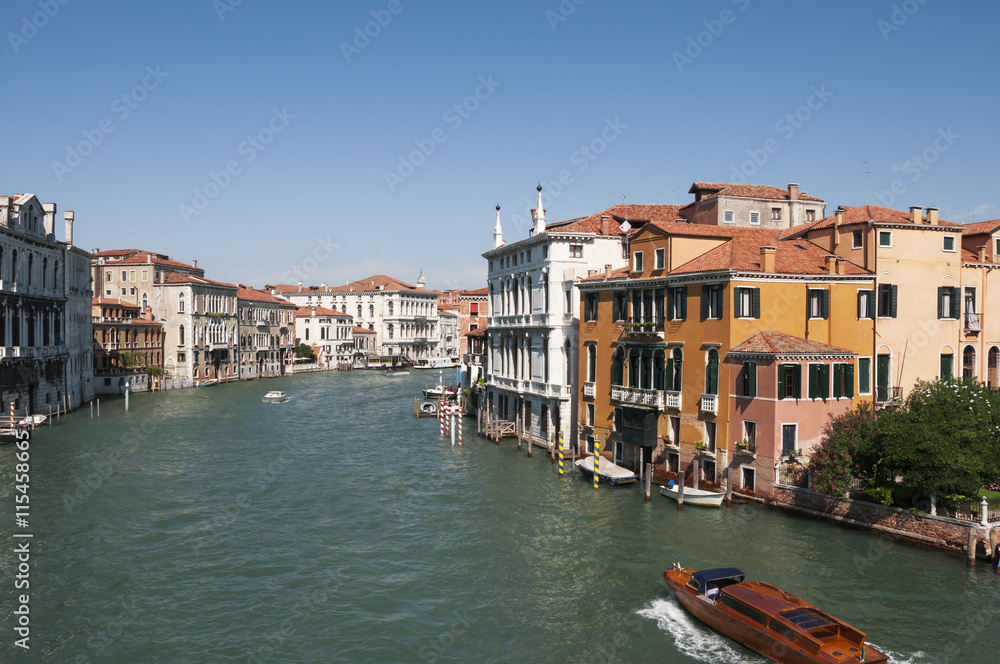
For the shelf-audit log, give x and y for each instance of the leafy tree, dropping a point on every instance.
(833, 462)
(304, 350)
(131, 359)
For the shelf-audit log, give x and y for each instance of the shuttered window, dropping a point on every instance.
(887, 296)
(949, 304)
(819, 381)
(866, 304)
(748, 380)
(746, 302)
(843, 380)
(789, 381)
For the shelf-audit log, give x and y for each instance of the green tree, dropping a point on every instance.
(131, 359)
(304, 350)
(833, 462)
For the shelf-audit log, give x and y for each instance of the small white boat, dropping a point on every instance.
(206, 383)
(425, 409)
(695, 496)
(402, 371)
(439, 391)
(608, 472)
(275, 396)
(33, 421)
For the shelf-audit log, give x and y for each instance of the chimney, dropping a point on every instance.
(793, 192)
(841, 265)
(322, 285)
(605, 225)
(932, 216)
(767, 259)
(607, 269)
(68, 216)
(300, 285)
(194, 263)
(831, 264)
(838, 218)
(916, 214)
(50, 218)
(982, 253)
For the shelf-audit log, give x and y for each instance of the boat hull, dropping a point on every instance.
(619, 477)
(695, 496)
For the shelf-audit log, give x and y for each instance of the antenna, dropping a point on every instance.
(131, 230)
(867, 172)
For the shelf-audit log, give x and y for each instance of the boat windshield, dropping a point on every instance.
(808, 619)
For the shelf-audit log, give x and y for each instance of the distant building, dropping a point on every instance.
(331, 332)
(751, 205)
(449, 324)
(201, 328)
(44, 310)
(266, 329)
(126, 344)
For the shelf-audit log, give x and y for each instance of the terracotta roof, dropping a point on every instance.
(742, 254)
(620, 273)
(448, 307)
(303, 312)
(700, 230)
(177, 278)
(244, 293)
(117, 303)
(981, 227)
(772, 342)
(478, 332)
(360, 286)
(864, 213)
(137, 257)
(362, 330)
(636, 213)
(709, 189)
(111, 253)
(474, 293)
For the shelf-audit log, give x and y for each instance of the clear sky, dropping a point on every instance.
(343, 139)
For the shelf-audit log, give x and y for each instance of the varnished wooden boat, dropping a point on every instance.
(768, 620)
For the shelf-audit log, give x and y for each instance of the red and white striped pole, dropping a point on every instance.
(441, 418)
(458, 423)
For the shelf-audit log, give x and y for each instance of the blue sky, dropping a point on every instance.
(254, 135)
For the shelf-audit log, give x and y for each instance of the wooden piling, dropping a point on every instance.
(50, 413)
(970, 551)
(680, 490)
(649, 478)
(995, 548)
(98, 409)
(91, 410)
(729, 486)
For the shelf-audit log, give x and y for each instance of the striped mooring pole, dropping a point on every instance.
(561, 456)
(597, 461)
(441, 419)
(12, 415)
(458, 423)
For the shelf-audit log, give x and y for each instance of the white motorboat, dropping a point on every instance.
(275, 396)
(608, 472)
(695, 496)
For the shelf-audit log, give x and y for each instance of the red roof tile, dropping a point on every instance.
(310, 312)
(362, 330)
(177, 278)
(709, 189)
(742, 254)
(371, 283)
(772, 342)
(981, 228)
(117, 303)
(637, 214)
(864, 214)
(244, 293)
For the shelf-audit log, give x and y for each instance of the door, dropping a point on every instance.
(882, 392)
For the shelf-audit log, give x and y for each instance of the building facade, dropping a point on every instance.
(200, 327)
(126, 345)
(266, 329)
(329, 332)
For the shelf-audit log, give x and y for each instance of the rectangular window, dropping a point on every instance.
(711, 301)
(885, 238)
(789, 438)
(545, 251)
(658, 261)
(789, 381)
(864, 375)
(145, 275)
(711, 428)
(858, 239)
(590, 414)
(748, 380)
(887, 296)
(619, 305)
(775, 214)
(843, 380)
(108, 275)
(543, 421)
(948, 303)
(124, 275)
(131, 275)
(727, 217)
(473, 308)
(124, 290)
(866, 304)
(528, 260)
(491, 266)
(996, 249)
(819, 303)
(576, 251)
(747, 478)
(948, 243)
(746, 302)
(590, 307)
(755, 218)
(819, 381)
(675, 430)
(947, 366)
(637, 261)
(750, 435)
(107, 291)
(677, 303)
(810, 215)
(181, 357)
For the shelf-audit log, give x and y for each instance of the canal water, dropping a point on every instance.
(208, 526)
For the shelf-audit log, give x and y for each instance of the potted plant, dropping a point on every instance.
(700, 446)
(742, 445)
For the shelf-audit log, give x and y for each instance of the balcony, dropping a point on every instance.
(971, 319)
(589, 389)
(637, 396)
(885, 395)
(673, 399)
(710, 404)
(644, 325)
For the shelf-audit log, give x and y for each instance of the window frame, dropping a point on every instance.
(819, 304)
(795, 428)
(659, 255)
(637, 262)
(748, 380)
(776, 214)
(712, 299)
(887, 235)
(751, 308)
(590, 304)
(890, 297)
(728, 217)
(944, 243)
(754, 215)
(576, 251)
(857, 240)
(864, 389)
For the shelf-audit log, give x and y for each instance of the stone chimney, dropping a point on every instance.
(767, 259)
(916, 214)
(607, 270)
(932, 216)
(831, 264)
(539, 213)
(981, 253)
(300, 285)
(5, 210)
(793, 192)
(50, 218)
(838, 218)
(841, 265)
(605, 225)
(194, 263)
(68, 216)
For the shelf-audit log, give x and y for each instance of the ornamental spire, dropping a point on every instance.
(539, 213)
(497, 231)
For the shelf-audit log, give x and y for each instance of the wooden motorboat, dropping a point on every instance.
(694, 496)
(608, 472)
(768, 620)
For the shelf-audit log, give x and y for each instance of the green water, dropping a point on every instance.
(207, 526)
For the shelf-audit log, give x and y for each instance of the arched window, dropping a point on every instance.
(390, 328)
(145, 303)
(359, 311)
(45, 272)
(969, 362)
(618, 366)
(712, 372)
(13, 266)
(31, 266)
(180, 303)
(307, 334)
(659, 370)
(390, 307)
(371, 311)
(633, 369)
(675, 370)
(568, 362)
(992, 360)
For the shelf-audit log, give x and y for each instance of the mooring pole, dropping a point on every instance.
(680, 489)
(649, 478)
(597, 462)
(561, 456)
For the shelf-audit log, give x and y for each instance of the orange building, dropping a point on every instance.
(125, 345)
(684, 353)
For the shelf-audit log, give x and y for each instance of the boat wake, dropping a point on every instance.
(694, 639)
(900, 658)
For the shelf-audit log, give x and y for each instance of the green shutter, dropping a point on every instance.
(861, 301)
(956, 304)
(781, 381)
(864, 374)
(940, 302)
(684, 304)
(712, 382)
(756, 304)
(824, 381)
(838, 377)
(704, 301)
(813, 381)
(798, 381)
(736, 302)
(849, 380)
(871, 303)
(752, 373)
(670, 304)
(892, 300)
(825, 304)
(670, 374)
(946, 366)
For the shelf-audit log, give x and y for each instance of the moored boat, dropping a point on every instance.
(694, 496)
(768, 620)
(401, 371)
(608, 472)
(425, 409)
